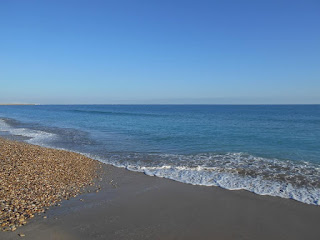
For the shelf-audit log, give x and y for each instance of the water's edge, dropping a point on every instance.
(232, 171)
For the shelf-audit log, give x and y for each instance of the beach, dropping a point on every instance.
(34, 178)
(131, 205)
(171, 120)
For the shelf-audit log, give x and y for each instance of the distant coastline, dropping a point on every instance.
(12, 104)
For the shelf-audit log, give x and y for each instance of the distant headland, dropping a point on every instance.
(1, 104)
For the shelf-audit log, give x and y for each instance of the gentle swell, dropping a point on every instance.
(115, 113)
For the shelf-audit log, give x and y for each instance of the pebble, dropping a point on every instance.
(33, 178)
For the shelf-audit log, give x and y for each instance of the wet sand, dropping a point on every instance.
(132, 205)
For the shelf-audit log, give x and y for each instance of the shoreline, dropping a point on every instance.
(132, 205)
(17, 104)
(266, 169)
(33, 178)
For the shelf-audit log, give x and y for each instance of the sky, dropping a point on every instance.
(164, 51)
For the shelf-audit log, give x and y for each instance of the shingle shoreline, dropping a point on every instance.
(33, 178)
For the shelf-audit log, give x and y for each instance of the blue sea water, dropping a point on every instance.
(267, 149)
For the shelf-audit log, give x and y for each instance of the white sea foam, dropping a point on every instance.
(36, 136)
(231, 181)
(233, 171)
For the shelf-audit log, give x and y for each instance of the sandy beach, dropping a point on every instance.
(162, 120)
(132, 205)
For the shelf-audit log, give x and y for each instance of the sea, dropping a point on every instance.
(265, 149)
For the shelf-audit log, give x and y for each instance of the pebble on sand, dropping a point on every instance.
(33, 178)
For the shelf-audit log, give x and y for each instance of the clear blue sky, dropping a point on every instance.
(164, 51)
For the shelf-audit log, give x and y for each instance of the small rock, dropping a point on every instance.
(6, 228)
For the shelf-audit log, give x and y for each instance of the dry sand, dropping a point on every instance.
(135, 206)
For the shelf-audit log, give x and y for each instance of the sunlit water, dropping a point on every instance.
(269, 150)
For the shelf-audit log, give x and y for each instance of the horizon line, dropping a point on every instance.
(58, 104)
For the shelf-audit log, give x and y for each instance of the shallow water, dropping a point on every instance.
(266, 149)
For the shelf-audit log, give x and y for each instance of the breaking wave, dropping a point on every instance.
(234, 171)
(37, 137)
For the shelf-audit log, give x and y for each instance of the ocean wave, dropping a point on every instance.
(37, 137)
(234, 171)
